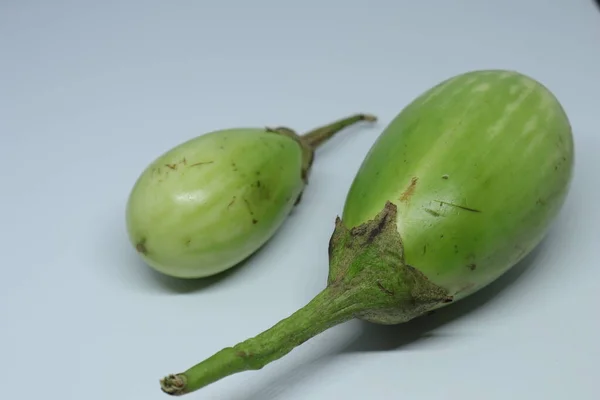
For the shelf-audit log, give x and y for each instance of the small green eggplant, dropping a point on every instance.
(460, 186)
(210, 202)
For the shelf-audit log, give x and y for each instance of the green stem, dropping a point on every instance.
(368, 279)
(318, 136)
(328, 308)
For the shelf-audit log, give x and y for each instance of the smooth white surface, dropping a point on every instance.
(93, 91)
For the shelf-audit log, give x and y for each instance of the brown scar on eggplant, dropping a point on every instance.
(232, 201)
(410, 190)
(458, 206)
(201, 163)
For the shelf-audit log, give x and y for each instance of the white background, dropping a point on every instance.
(92, 91)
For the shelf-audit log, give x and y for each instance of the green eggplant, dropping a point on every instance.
(207, 204)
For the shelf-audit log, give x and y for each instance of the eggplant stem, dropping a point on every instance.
(318, 136)
(321, 313)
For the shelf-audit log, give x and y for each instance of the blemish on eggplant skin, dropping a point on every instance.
(458, 206)
(141, 246)
(445, 177)
(410, 190)
(432, 212)
(248, 206)
(472, 266)
(232, 201)
(201, 163)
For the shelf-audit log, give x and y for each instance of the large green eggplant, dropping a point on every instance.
(460, 186)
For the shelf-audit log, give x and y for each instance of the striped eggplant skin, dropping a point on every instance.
(478, 168)
(210, 202)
